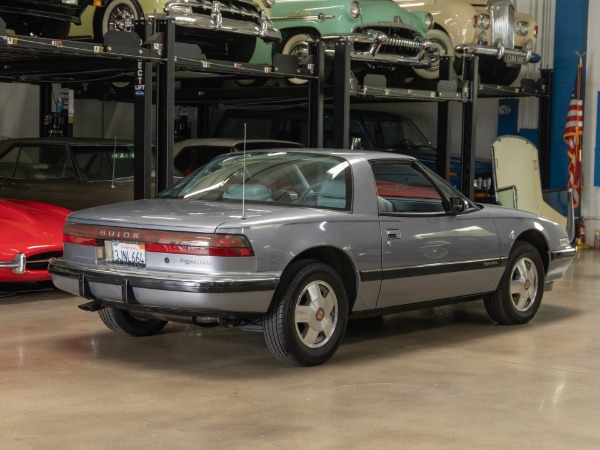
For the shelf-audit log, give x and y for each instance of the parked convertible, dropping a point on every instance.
(299, 241)
(30, 235)
(44, 18)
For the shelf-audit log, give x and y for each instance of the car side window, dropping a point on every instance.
(8, 161)
(43, 162)
(402, 188)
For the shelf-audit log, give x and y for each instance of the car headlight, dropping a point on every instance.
(564, 242)
(482, 39)
(355, 9)
(428, 21)
(268, 3)
(522, 28)
(482, 21)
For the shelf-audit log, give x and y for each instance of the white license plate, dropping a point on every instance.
(516, 59)
(128, 253)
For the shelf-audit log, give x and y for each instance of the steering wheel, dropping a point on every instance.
(311, 190)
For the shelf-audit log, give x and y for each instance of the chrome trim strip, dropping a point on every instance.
(431, 269)
(498, 52)
(301, 17)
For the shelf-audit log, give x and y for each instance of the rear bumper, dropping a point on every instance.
(210, 293)
(17, 264)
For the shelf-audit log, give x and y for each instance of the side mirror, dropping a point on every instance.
(458, 205)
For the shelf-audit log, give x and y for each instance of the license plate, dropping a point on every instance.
(127, 253)
(515, 59)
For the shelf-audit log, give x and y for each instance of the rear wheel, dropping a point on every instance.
(128, 323)
(521, 288)
(308, 317)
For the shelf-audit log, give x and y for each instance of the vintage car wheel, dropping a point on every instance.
(125, 322)
(117, 15)
(308, 317)
(521, 288)
(297, 45)
(444, 47)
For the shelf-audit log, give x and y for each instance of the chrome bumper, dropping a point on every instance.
(559, 263)
(499, 51)
(201, 293)
(17, 264)
(213, 20)
(424, 57)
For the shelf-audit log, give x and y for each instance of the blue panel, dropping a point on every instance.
(570, 37)
(508, 122)
(532, 135)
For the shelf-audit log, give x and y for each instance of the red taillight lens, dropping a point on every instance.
(535, 31)
(82, 240)
(161, 241)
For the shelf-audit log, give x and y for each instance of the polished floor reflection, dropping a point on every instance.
(444, 378)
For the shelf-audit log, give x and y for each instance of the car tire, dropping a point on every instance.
(46, 28)
(519, 294)
(297, 45)
(308, 316)
(124, 322)
(117, 15)
(443, 44)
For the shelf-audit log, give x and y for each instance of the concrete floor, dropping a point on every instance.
(441, 378)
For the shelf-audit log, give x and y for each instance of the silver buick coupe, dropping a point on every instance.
(299, 242)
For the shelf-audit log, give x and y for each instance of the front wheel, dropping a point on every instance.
(298, 45)
(443, 46)
(307, 319)
(519, 294)
(128, 323)
(119, 15)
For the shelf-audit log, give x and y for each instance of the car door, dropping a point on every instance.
(40, 172)
(428, 251)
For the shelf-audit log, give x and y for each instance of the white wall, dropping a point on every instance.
(590, 208)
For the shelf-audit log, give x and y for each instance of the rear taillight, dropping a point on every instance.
(201, 244)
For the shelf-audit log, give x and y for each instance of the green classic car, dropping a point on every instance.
(386, 38)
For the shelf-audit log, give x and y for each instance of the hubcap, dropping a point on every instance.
(122, 18)
(315, 314)
(524, 284)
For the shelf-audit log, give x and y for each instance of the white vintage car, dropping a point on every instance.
(503, 38)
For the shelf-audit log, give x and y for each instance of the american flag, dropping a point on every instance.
(572, 136)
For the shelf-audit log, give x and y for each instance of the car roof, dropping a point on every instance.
(349, 155)
(66, 140)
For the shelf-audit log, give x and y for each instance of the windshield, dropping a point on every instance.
(281, 178)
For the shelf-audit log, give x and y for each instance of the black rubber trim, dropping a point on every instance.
(406, 272)
(127, 284)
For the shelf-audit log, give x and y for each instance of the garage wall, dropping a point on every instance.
(19, 110)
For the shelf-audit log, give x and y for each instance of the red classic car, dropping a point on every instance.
(30, 235)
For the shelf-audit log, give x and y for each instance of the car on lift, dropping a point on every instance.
(385, 37)
(74, 173)
(503, 38)
(30, 236)
(190, 154)
(301, 241)
(44, 18)
(369, 130)
(224, 29)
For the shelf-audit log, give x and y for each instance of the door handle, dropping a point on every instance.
(393, 233)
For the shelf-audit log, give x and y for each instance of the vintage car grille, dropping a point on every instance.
(503, 22)
(230, 9)
(401, 41)
(41, 261)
